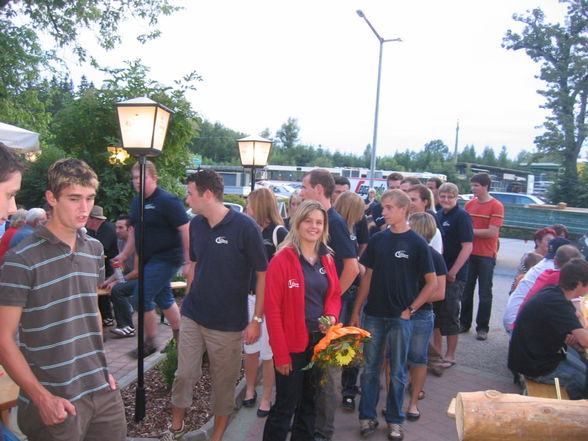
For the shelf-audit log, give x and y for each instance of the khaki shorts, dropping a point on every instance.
(99, 416)
(224, 354)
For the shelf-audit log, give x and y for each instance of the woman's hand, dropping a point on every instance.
(284, 369)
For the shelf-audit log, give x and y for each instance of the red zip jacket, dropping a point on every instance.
(284, 303)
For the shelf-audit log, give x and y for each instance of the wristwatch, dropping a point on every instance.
(411, 310)
(258, 319)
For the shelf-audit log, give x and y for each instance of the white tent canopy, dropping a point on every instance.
(19, 139)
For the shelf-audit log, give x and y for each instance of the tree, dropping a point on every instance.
(288, 133)
(216, 143)
(24, 61)
(562, 52)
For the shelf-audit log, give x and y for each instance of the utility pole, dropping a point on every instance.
(455, 151)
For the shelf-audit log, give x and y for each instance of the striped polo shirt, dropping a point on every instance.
(59, 330)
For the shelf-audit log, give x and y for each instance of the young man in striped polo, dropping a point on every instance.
(48, 287)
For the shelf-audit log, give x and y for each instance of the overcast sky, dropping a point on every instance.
(263, 61)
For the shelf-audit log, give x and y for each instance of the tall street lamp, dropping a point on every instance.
(382, 41)
(143, 126)
(254, 152)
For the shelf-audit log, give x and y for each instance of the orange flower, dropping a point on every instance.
(335, 332)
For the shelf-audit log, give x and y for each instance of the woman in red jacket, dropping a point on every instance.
(301, 286)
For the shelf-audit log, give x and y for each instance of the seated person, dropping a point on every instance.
(545, 325)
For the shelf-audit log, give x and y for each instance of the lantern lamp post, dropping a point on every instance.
(143, 126)
(254, 152)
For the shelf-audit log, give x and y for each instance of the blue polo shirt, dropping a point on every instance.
(164, 213)
(340, 240)
(398, 261)
(456, 228)
(225, 256)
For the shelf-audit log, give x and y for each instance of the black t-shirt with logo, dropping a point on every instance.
(398, 261)
(538, 340)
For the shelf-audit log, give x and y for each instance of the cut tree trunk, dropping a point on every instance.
(494, 416)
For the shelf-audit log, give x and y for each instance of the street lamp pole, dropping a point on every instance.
(375, 138)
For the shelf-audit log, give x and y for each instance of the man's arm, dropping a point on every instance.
(424, 296)
(487, 233)
(252, 330)
(462, 257)
(53, 409)
(185, 232)
(349, 273)
(362, 293)
(581, 335)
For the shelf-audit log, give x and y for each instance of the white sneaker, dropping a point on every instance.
(395, 432)
(173, 435)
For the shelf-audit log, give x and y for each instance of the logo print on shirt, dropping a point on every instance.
(353, 237)
(446, 224)
(221, 240)
(292, 283)
(322, 270)
(149, 206)
(401, 254)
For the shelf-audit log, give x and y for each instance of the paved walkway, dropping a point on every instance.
(481, 366)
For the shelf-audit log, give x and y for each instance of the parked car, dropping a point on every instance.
(235, 207)
(516, 198)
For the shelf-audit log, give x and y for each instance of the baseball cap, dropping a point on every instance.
(554, 244)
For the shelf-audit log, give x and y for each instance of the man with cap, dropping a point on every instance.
(99, 228)
(519, 294)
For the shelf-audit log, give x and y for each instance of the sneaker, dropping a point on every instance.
(126, 331)
(107, 322)
(319, 437)
(173, 435)
(463, 329)
(367, 427)
(348, 404)
(481, 335)
(147, 351)
(395, 432)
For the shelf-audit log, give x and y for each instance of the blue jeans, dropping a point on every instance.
(394, 332)
(349, 374)
(571, 373)
(482, 270)
(422, 323)
(158, 275)
(120, 297)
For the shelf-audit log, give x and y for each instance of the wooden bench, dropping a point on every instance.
(534, 389)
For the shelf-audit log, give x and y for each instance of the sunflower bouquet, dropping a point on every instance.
(341, 346)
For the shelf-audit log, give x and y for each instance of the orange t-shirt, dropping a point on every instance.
(483, 215)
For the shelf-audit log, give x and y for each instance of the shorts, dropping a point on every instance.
(224, 354)
(262, 344)
(422, 329)
(447, 310)
(157, 290)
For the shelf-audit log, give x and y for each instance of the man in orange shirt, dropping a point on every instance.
(487, 217)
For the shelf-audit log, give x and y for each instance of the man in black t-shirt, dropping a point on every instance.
(545, 325)
(395, 260)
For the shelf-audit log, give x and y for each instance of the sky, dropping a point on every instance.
(264, 61)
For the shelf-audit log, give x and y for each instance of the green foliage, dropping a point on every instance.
(235, 199)
(216, 143)
(169, 365)
(287, 135)
(561, 51)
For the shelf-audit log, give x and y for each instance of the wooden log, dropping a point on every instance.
(493, 416)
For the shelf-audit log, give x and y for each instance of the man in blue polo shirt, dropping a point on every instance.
(226, 247)
(318, 185)
(455, 225)
(166, 250)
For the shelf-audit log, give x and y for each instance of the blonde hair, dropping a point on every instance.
(292, 240)
(150, 168)
(70, 171)
(449, 187)
(400, 199)
(264, 207)
(424, 224)
(350, 206)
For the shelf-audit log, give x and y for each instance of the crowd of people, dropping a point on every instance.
(404, 267)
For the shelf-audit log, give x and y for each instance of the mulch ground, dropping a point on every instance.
(158, 405)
